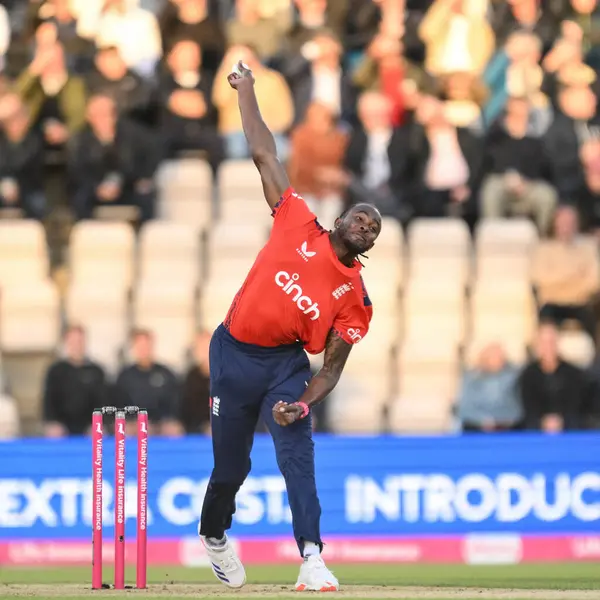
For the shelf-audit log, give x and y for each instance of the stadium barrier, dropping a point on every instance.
(474, 499)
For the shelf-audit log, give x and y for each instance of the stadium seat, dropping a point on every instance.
(185, 191)
(391, 238)
(384, 292)
(104, 318)
(170, 252)
(102, 254)
(439, 248)
(428, 379)
(504, 248)
(216, 298)
(503, 311)
(576, 347)
(435, 311)
(242, 197)
(29, 317)
(438, 236)
(357, 404)
(169, 312)
(23, 252)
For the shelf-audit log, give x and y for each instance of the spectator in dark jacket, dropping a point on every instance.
(588, 198)
(192, 20)
(578, 122)
(132, 94)
(517, 170)
(444, 162)
(376, 156)
(555, 393)
(150, 385)
(195, 409)
(188, 119)
(112, 161)
(316, 75)
(74, 387)
(21, 160)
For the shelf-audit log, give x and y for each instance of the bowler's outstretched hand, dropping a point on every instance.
(240, 76)
(285, 414)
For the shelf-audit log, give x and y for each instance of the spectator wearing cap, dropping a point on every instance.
(131, 92)
(148, 384)
(518, 170)
(488, 399)
(112, 162)
(74, 387)
(566, 272)
(195, 409)
(556, 394)
(273, 96)
(188, 118)
(192, 19)
(21, 160)
(316, 75)
(457, 37)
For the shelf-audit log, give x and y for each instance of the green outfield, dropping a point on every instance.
(409, 582)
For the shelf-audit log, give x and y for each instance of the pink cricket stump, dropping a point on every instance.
(97, 500)
(120, 500)
(142, 498)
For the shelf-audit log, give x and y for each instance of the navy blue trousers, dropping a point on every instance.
(246, 381)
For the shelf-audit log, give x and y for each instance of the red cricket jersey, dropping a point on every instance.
(297, 289)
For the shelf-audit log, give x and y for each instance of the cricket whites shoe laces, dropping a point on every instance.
(226, 565)
(316, 577)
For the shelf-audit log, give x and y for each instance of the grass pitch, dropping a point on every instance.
(407, 582)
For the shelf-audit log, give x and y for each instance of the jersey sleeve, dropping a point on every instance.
(352, 324)
(292, 211)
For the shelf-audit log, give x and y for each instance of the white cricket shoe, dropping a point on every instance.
(226, 565)
(316, 577)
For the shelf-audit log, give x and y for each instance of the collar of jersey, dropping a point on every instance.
(352, 271)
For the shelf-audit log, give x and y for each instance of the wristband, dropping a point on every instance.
(305, 409)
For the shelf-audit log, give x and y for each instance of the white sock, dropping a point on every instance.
(311, 549)
(215, 543)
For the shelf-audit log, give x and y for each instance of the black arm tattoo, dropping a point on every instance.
(336, 354)
(322, 384)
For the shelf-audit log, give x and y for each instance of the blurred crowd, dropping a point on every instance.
(469, 109)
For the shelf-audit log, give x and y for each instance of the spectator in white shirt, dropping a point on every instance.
(4, 35)
(123, 24)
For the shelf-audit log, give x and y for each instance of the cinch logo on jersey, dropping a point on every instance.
(343, 289)
(355, 335)
(304, 252)
(286, 281)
